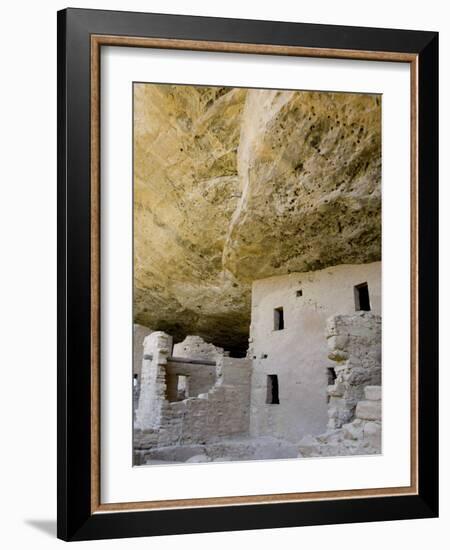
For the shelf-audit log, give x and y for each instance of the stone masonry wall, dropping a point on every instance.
(221, 411)
(354, 343)
(139, 334)
(362, 436)
(157, 347)
(354, 406)
(201, 378)
(195, 347)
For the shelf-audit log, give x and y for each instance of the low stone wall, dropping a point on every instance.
(354, 342)
(223, 410)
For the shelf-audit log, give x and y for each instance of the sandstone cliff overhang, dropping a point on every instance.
(233, 185)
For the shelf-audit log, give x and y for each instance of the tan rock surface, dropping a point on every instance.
(233, 185)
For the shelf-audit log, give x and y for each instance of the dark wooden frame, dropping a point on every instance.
(81, 33)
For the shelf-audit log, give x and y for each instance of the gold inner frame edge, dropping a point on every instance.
(97, 41)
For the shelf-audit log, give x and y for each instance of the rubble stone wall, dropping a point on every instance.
(157, 347)
(195, 347)
(139, 334)
(361, 436)
(223, 410)
(354, 343)
(354, 407)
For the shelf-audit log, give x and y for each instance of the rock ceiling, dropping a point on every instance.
(233, 185)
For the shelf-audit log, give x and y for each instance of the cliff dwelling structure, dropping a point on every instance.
(257, 274)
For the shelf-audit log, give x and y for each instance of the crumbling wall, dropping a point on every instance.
(361, 436)
(202, 378)
(221, 411)
(354, 407)
(139, 334)
(195, 347)
(354, 343)
(157, 347)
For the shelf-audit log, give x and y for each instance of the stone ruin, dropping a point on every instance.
(361, 436)
(193, 401)
(190, 394)
(354, 342)
(354, 406)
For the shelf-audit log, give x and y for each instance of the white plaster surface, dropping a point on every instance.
(298, 354)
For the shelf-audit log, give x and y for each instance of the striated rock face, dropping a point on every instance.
(233, 185)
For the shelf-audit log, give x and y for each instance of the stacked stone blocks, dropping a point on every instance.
(222, 411)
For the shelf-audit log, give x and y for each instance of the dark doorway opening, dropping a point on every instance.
(273, 397)
(362, 299)
(278, 318)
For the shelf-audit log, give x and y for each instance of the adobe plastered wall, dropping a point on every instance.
(298, 354)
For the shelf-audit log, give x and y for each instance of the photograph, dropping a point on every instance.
(257, 274)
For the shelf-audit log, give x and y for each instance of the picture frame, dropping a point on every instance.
(81, 36)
